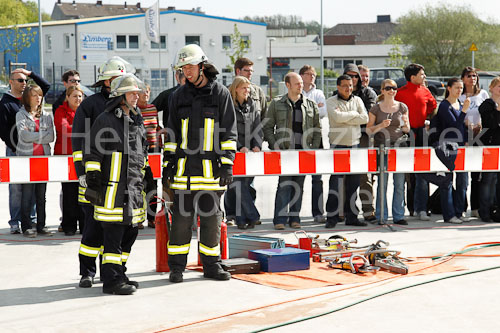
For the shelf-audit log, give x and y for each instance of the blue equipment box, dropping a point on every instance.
(239, 245)
(281, 260)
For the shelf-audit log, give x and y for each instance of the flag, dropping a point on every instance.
(153, 22)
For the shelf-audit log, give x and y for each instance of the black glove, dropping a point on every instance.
(168, 173)
(226, 175)
(149, 181)
(93, 192)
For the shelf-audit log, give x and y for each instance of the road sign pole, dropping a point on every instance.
(473, 59)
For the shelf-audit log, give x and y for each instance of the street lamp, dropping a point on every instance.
(272, 39)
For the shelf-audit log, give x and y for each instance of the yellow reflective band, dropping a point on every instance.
(164, 165)
(109, 201)
(81, 195)
(210, 251)
(116, 164)
(92, 166)
(77, 156)
(107, 218)
(125, 256)
(184, 133)
(208, 139)
(196, 179)
(207, 169)
(228, 145)
(88, 251)
(225, 160)
(113, 211)
(101, 250)
(176, 186)
(111, 258)
(207, 187)
(181, 165)
(178, 249)
(170, 146)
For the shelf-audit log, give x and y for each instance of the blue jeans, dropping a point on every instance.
(14, 197)
(244, 207)
(28, 190)
(230, 198)
(351, 185)
(317, 195)
(288, 201)
(421, 195)
(461, 182)
(398, 198)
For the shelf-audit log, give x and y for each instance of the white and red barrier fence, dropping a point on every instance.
(275, 163)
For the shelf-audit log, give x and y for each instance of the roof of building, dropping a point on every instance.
(363, 33)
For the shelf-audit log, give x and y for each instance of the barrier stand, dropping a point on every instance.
(381, 187)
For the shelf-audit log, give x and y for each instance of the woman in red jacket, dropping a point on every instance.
(63, 122)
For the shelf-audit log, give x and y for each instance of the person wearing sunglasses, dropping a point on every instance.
(69, 78)
(389, 124)
(473, 123)
(10, 104)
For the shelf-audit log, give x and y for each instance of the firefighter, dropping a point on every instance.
(115, 174)
(198, 161)
(85, 116)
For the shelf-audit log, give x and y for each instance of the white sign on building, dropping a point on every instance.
(96, 41)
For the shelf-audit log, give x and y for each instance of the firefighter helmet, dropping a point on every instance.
(190, 54)
(115, 66)
(124, 84)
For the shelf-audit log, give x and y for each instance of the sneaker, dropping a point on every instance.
(86, 282)
(279, 226)
(45, 232)
(230, 223)
(464, 218)
(242, 226)
(259, 222)
(251, 225)
(319, 219)
(401, 222)
(474, 213)
(295, 225)
(422, 216)
(14, 229)
(60, 228)
(455, 220)
(176, 277)
(119, 289)
(357, 223)
(29, 233)
(370, 218)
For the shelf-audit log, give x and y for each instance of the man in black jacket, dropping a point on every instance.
(9, 106)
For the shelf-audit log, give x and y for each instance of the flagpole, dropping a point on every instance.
(159, 44)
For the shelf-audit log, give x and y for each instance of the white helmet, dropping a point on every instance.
(124, 84)
(190, 54)
(115, 66)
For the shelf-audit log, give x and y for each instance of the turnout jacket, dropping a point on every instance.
(118, 150)
(201, 136)
(85, 116)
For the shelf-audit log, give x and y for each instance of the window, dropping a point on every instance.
(66, 42)
(226, 41)
(337, 64)
(359, 62)
(246, 40)
(193, 40)
(163, 43)
(48, 42)
(127, 42)
(121, 42)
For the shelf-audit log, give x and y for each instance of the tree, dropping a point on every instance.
(439, 38)
(239, 46)
(17, 12)
(396, 57)
(287, 22)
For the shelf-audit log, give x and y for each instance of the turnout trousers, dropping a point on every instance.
(90, 246)
(117, 241)
(187, 205)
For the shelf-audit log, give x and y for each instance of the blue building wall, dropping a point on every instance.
(29, 55)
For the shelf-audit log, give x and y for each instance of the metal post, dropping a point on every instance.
(321, 51)
(473, 59)
(381, 186)
(40, 38)
(270, 70)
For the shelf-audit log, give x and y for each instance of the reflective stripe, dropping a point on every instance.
(88, 251)
(184, 133)
(113, 211)
(225, 160)
(207, 187)
(109, 201)
(208, 138)
(116, 164)
(228, 145)
(125, 256)
(196, 179)
(111, 258)
(108, 218)
(108, 215)
(77, 156)
(178, 249)
(92, 166)
(207, 169)
(81, 195)
(210, 251)
(164, 165)
(170, 146)
(181, 165)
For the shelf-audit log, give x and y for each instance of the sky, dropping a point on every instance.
(334, 11)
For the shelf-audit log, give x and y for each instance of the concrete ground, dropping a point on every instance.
(39, 285)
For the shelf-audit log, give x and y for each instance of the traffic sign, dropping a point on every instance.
(473, 47)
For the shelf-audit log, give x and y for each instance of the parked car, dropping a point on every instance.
(3, 89)
(57, 89)
(377, 75)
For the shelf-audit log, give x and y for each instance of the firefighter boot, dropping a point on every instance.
(119, 289)
(175, 276)
(216, 272)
